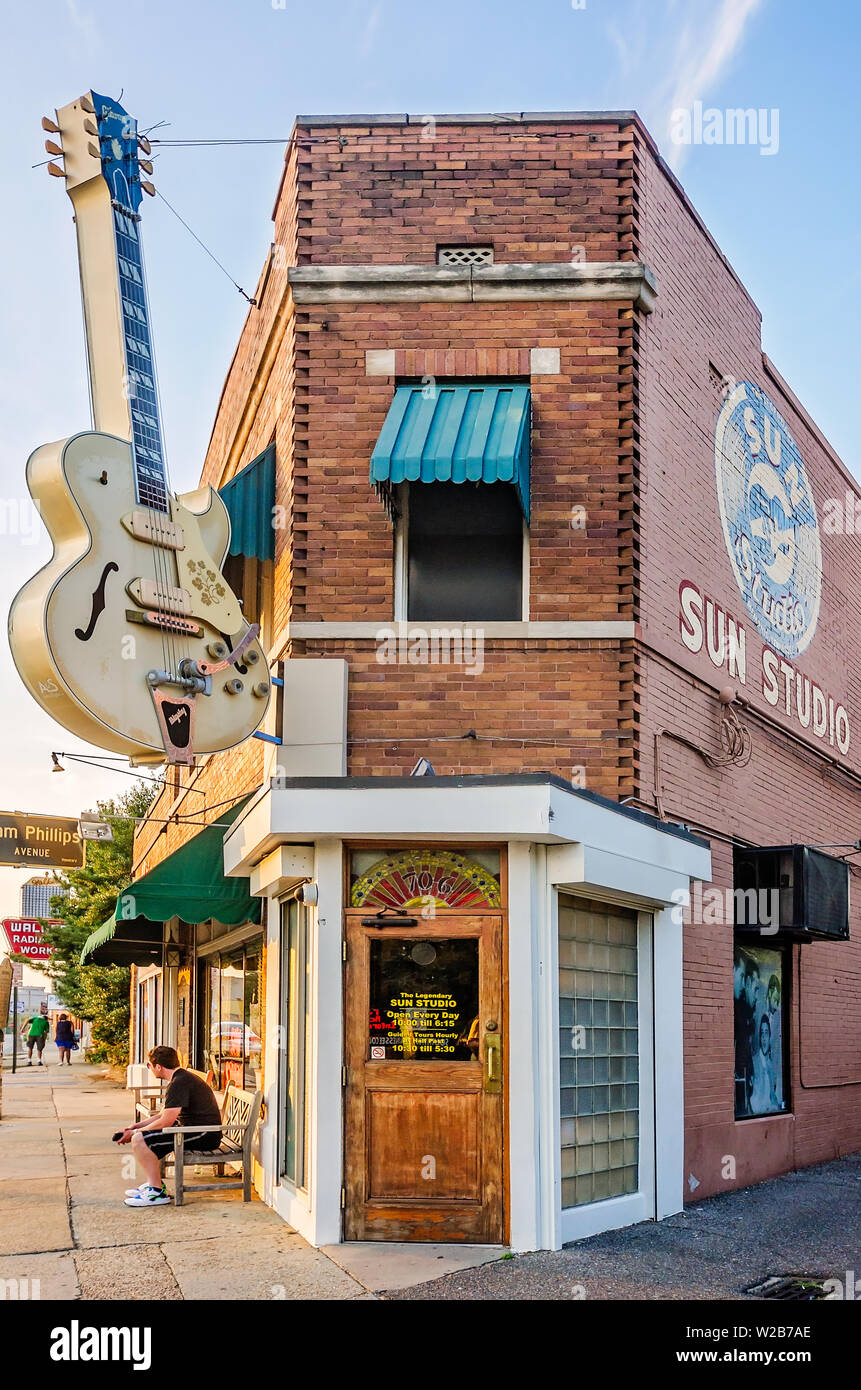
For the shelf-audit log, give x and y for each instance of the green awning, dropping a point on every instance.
(249, 499)
(135, 942)
(189, 884)
(456, 433)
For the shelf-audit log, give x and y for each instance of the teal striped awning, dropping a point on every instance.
(249, 499)
(456, 433)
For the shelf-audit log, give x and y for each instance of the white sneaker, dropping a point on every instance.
(147, 1196)
(133, 1191)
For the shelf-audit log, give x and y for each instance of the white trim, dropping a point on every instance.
(316, 1211)
(557, 841)
(578, 1222)
(589, 630)
(524, 1106)
(669, 1063)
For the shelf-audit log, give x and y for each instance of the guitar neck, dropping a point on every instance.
(147, 448)
(105, 196)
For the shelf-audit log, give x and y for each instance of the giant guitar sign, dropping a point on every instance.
(130, 636)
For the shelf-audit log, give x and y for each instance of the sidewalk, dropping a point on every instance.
(63, 1222)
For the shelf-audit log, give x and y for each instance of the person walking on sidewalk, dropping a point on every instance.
(64, 1037)
(37, 1029)
(188, 1102)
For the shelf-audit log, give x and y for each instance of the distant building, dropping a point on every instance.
(36, 895)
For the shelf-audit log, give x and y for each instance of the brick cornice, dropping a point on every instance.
(546, 280)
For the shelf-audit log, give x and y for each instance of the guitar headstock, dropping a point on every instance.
(99, 139)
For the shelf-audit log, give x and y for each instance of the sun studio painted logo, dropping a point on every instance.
(769, 519)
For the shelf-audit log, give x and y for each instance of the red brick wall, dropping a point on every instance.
(532, 190)
(625, 430)
(704, 319)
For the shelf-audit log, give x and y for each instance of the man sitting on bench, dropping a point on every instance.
(188, 1102)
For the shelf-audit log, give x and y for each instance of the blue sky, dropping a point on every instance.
(227, 68)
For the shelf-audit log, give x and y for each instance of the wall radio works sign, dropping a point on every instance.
(769, 519)
(25, 938)
(50, 840)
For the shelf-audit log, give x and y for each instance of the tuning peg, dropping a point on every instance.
(48, 124)
(87, 105)
(91, 128)
(146, 166)
(145, 144)
(56, 172)
(52, 147)
(148, 188)
(94, 150)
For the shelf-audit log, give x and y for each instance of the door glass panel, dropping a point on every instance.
(598, 1051)
(424, 1000)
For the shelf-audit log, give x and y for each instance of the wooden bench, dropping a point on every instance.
(240, 1112)
(149, 1099)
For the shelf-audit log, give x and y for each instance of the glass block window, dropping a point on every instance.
(598, 1051)
(464, 255)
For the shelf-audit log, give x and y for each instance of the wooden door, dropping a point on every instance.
(425, 1080)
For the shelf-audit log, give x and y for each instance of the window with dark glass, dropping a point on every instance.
(760, 980)
(464, 552)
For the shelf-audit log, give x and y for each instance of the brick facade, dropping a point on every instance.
(625, 431)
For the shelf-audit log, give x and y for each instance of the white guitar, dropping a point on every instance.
(129, 637)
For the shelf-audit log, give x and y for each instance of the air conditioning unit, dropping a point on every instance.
(812, 891)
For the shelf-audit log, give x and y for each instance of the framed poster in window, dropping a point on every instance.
(760, 984)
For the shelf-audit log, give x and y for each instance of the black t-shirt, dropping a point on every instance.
(197, 1103)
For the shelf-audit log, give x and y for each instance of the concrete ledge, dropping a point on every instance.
(549, 280)
(614, 629)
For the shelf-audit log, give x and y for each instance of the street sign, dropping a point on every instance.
(47, 840)
(25, 937)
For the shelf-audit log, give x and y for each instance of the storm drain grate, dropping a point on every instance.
(789, 1288)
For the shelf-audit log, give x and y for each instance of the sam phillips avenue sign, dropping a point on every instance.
(49, 840)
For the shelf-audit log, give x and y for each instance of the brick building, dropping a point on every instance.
(546, 518)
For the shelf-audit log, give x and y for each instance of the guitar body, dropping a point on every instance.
(80, 629)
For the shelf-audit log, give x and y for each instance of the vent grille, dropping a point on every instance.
(464, 255)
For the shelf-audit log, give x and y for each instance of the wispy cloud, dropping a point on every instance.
(365, 44)
(85, 24)
(702, 55)
(696, 53)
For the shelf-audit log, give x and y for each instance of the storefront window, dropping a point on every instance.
(231, 1042)
(599, 1051)
(295, 1049)
(148, 1002)
(759, 1001)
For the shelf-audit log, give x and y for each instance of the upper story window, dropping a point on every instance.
(249, 568)
(464, 545)
(458, 455)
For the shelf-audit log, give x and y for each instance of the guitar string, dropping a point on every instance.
(159, 570)
(167, 553)
(148, 500)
